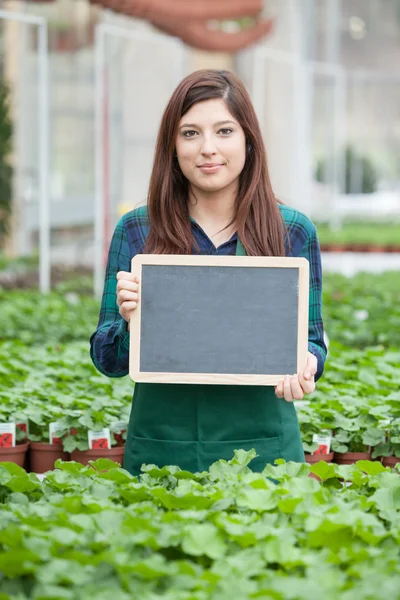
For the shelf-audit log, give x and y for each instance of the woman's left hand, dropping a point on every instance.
(294, 387)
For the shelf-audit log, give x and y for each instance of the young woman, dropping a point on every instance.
(209, 193)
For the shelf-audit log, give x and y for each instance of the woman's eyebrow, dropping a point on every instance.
(217, 123)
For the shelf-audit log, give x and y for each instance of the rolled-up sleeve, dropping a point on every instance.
(316, 344)
(109, 344)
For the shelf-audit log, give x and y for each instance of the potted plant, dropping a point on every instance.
(312, 425)
(6, 170)
(389, 450)
(355, 443)
(11, 414)
(99, 415)
(367, 184)
(44, 451)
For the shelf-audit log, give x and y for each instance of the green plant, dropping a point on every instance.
(31, 317)
(6, 171)
(391, 444)
(312, 421)
(362, 310)
(98, 532)
(60, 384)
(354, 162)
(379, 233)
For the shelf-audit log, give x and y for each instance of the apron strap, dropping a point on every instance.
(240, 251)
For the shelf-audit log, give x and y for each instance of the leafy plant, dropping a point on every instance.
(363, 310)
(385, 233)
(6, 171)
(31, 317)
(60, 384)
(390, 446)
(312, 422)
(354, 162)
(98, 532)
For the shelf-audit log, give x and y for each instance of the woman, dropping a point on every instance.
(209, 193)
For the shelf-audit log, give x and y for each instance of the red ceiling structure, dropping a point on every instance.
(188, 20)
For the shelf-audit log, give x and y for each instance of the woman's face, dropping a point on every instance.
(211, 147)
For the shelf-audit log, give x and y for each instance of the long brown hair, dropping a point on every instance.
(257, 217)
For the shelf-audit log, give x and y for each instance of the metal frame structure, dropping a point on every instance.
(303, 72)
(44, 131)
(102, 30)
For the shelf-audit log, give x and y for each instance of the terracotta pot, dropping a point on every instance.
(362, 247)
(349, 458)
(377, 248)
(83, 456)
(314, 458)
(390, 461)
(43, 456)
(16, 454)
(337, 248)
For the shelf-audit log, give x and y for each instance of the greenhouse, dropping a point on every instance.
(77, 521)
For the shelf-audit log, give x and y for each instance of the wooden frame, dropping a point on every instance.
(141, 260)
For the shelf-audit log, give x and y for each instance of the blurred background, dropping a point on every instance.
(84, 83)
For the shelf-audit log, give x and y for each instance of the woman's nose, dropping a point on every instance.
(208, 147)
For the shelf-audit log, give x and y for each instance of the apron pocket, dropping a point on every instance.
(268, 450)
(162, 453)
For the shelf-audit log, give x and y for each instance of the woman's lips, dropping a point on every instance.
(212, 168)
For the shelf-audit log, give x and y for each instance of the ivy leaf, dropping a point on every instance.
(203, 540)
(370, 467)
(387, 499)
(257, 499)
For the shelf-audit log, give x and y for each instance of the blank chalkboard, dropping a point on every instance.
(219, 319)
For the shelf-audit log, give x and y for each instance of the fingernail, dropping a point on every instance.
(287, 378)
(307, 375)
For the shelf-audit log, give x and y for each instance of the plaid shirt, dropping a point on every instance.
(109, 344)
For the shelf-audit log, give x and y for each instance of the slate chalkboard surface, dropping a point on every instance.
(212, 319)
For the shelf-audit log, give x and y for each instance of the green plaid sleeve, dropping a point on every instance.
(303, 240)
(109, 344)
(316, 343)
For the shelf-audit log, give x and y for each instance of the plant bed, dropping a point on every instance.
(364, 248)
(224, 533)
(16, 454)
(313, 458)
(43, 456)
(390, 461)
(349, 458)
(84, 456)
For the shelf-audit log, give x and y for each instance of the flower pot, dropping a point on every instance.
(390, 461)
(314, 458)
(43, 456)
(16, 454)
(349, 458)
(377, 248)
(337, 247)
(83, 456)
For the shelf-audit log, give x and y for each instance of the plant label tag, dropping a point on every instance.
(323, 440)
(55, 432)
(23, 426)
(99, 440)
(7, 435)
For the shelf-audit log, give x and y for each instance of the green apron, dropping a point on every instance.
(192, 426)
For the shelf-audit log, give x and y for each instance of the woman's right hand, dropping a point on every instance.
(127, 294)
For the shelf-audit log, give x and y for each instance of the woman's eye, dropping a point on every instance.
(225, 131)
(189, 133)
